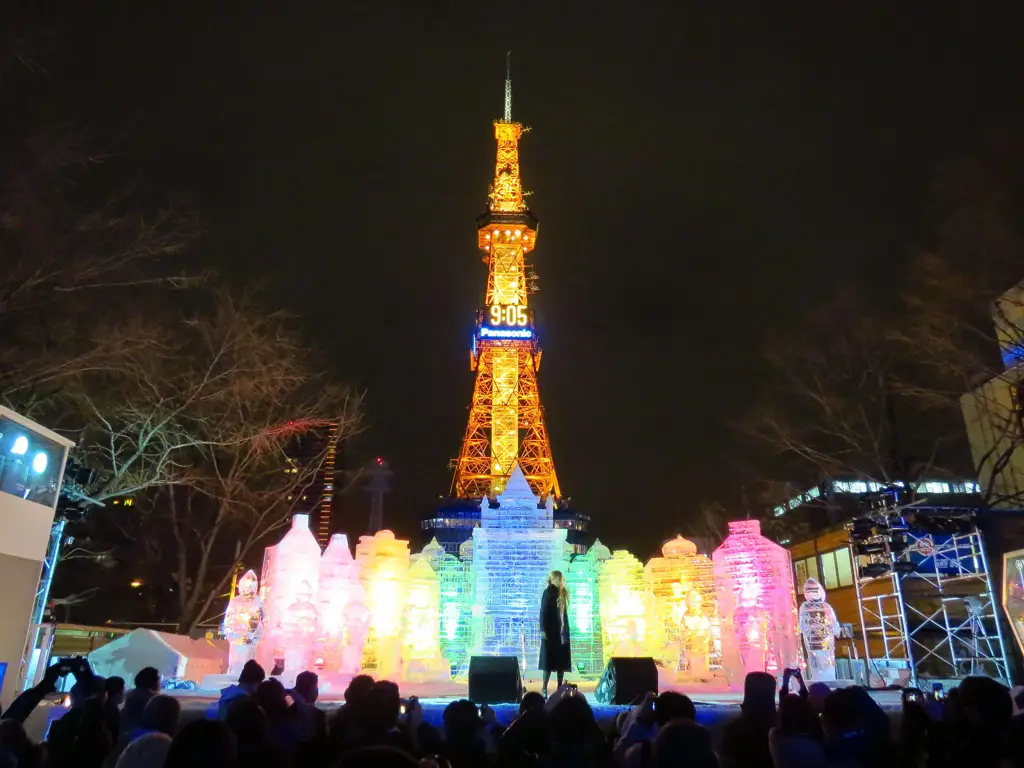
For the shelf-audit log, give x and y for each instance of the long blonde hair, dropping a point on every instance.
(556, 579)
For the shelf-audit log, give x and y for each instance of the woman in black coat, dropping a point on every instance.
(554, 627)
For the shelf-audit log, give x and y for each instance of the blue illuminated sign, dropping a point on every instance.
(505, 333)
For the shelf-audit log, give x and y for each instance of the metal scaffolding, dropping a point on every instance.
(926, 600)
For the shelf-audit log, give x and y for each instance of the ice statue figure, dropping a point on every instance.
(384, 572)
(300, 629)
(697, 637)
(243, 623)
(294, 561)
(339, 576)
(756, 603)
(820, 628)
(513, 551)
(623, 606)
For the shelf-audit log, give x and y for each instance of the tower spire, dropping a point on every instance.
(508, 87)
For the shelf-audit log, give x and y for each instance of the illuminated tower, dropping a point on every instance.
(506, 420)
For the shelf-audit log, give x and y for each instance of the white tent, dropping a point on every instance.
(177, 656)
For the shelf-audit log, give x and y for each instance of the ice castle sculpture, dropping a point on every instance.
(682, 585)
(623, 599)
(339, 577)
(383, 564)
(581, 579)
(243, 623)
(294, 561)
(514, 550)
(421, 641)
(756, 603)
(820, 628)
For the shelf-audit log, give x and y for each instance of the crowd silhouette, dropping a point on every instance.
(258, 723)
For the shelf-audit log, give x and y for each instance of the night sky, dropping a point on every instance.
(703, 173)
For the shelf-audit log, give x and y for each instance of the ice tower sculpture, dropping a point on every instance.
(243, 623)
(682, 583)
(585, 610)
(514, 550)
(339, 576)
(820, 628)
(756, 603)
(295, 559)
(357, 629)
(455, 609)
(623, 599)
(421, 649)
(300, 630)
(384, 570)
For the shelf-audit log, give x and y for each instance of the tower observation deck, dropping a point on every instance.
(506, 419)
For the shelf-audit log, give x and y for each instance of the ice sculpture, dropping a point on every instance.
(1013, 593)
(243, 623)
(339, 575)
(820, 628)
(384, 571)
(295, 559)
(455, 609)
(421, 646)
(433, 553)
(622, 595)
(300, 629)
(514, 550)
(756, 603)
(357, 629)
(584, 612)
(683, 588)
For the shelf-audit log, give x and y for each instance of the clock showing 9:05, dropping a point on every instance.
(507, 315)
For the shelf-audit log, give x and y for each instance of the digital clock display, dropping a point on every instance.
(508, 315)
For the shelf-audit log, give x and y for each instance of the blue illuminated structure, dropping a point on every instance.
(514, 550)
(505, 333)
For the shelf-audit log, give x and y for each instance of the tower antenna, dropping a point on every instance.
(508, 87)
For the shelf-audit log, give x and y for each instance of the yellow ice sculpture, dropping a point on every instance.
(682, 585)
(623, 602)
(383, 561)
(421, 651)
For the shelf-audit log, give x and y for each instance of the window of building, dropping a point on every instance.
(837, 568)
(806, 569)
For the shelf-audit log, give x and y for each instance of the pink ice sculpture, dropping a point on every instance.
(756, 603)
(300, 629)
(294, 561)
(338, 577)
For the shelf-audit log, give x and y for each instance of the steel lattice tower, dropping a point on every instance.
(506, 419)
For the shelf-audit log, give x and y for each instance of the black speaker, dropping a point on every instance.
(495, 680)
(626, 680)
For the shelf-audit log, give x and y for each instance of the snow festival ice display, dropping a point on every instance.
(514, 550)
(243, 623)
(339, 577)
(820, 627)
(421, 647)
(383, 561)
(623, 599)
(683, 588)
(301, 623)
(756, 603)
(584, 610)
(455, 609)
(296, 559)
